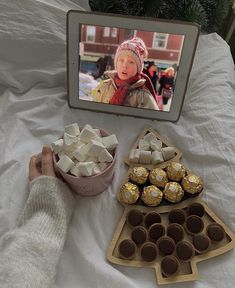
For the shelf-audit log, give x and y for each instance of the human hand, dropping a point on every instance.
(41, 164)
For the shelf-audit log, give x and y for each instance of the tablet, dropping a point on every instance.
(101, 49)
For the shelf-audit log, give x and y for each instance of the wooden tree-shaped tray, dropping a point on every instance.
(187, 270)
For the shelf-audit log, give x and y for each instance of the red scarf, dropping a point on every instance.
(123, 87)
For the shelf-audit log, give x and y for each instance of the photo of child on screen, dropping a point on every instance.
(127, 84)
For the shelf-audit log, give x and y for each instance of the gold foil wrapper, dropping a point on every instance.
(129, 193)
(192, 184)
(139, 175)
(173, 192)
(152, 196)
(175, 171)
(158, 177)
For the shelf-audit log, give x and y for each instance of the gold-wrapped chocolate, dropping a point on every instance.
(128, 193)
(192, 184)
(173, 192)
(175, 171)
(139, 175)
(158, 177)
(152, 196)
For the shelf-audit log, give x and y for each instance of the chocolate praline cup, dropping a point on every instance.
(134, 217)
(127, 249)
(194, 224)
(166, 245)
(169, 266)
(148, 251)
(177, 216)
(152, 218)
(156, 231)
(196, 209)
(215, 232)
(201, 243)
(175, 231)
(184, 251)
(139, 235)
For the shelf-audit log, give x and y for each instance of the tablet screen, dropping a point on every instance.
(99, 45)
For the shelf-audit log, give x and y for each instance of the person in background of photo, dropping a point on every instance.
(30, 253)
(127, 84)
(167, 84)
(152, 72)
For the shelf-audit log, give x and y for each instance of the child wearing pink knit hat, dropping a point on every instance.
(127, 85)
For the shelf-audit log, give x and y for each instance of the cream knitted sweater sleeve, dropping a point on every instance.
(29, 254)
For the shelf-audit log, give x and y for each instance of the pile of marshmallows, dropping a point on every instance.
(84, 152)
(150, 150)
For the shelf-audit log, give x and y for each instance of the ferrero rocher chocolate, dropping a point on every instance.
(138, 175)
(158, 177)
(175, 171)
(152, 196)
(192, 184)
(173, 192)
(129, 193)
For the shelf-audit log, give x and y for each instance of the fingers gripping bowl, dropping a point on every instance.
(85, 158)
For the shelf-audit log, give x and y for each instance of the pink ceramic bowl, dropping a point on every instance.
(90, 185)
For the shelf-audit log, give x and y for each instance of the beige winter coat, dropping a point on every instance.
(138, 96)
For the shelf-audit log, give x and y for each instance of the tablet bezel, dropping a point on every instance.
(189, 30)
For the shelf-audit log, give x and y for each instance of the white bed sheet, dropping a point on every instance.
(34, 110)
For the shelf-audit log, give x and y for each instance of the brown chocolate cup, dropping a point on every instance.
(177, 216)
(184, 251)
(139, 235)
(148, 251)
(196, 209)
(156, 231)
(194, 224)
(166, 245)
(215, 232)
(127, 249)
(134, 217)
(175, 231)
(201, 243)
(169, 265)
(152, 218)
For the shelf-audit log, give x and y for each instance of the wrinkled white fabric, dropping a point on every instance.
(34, 110)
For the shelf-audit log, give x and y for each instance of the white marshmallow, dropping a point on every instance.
(134, 155)
(157, 157)
(87, 134)
(145, 157)
(72, 129)
(105, 156)
(75, 170)
(81, 152)
(110, 142)
(65, 163)
(96, 169)
(156, 145)
(97, 131)
(149, 137)
(168, 153)
(143, 145)
(92, 158)
(69, 139)
(86, 168)
(103, 165)
(57, 146)
(95, 148)
(67, 153)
